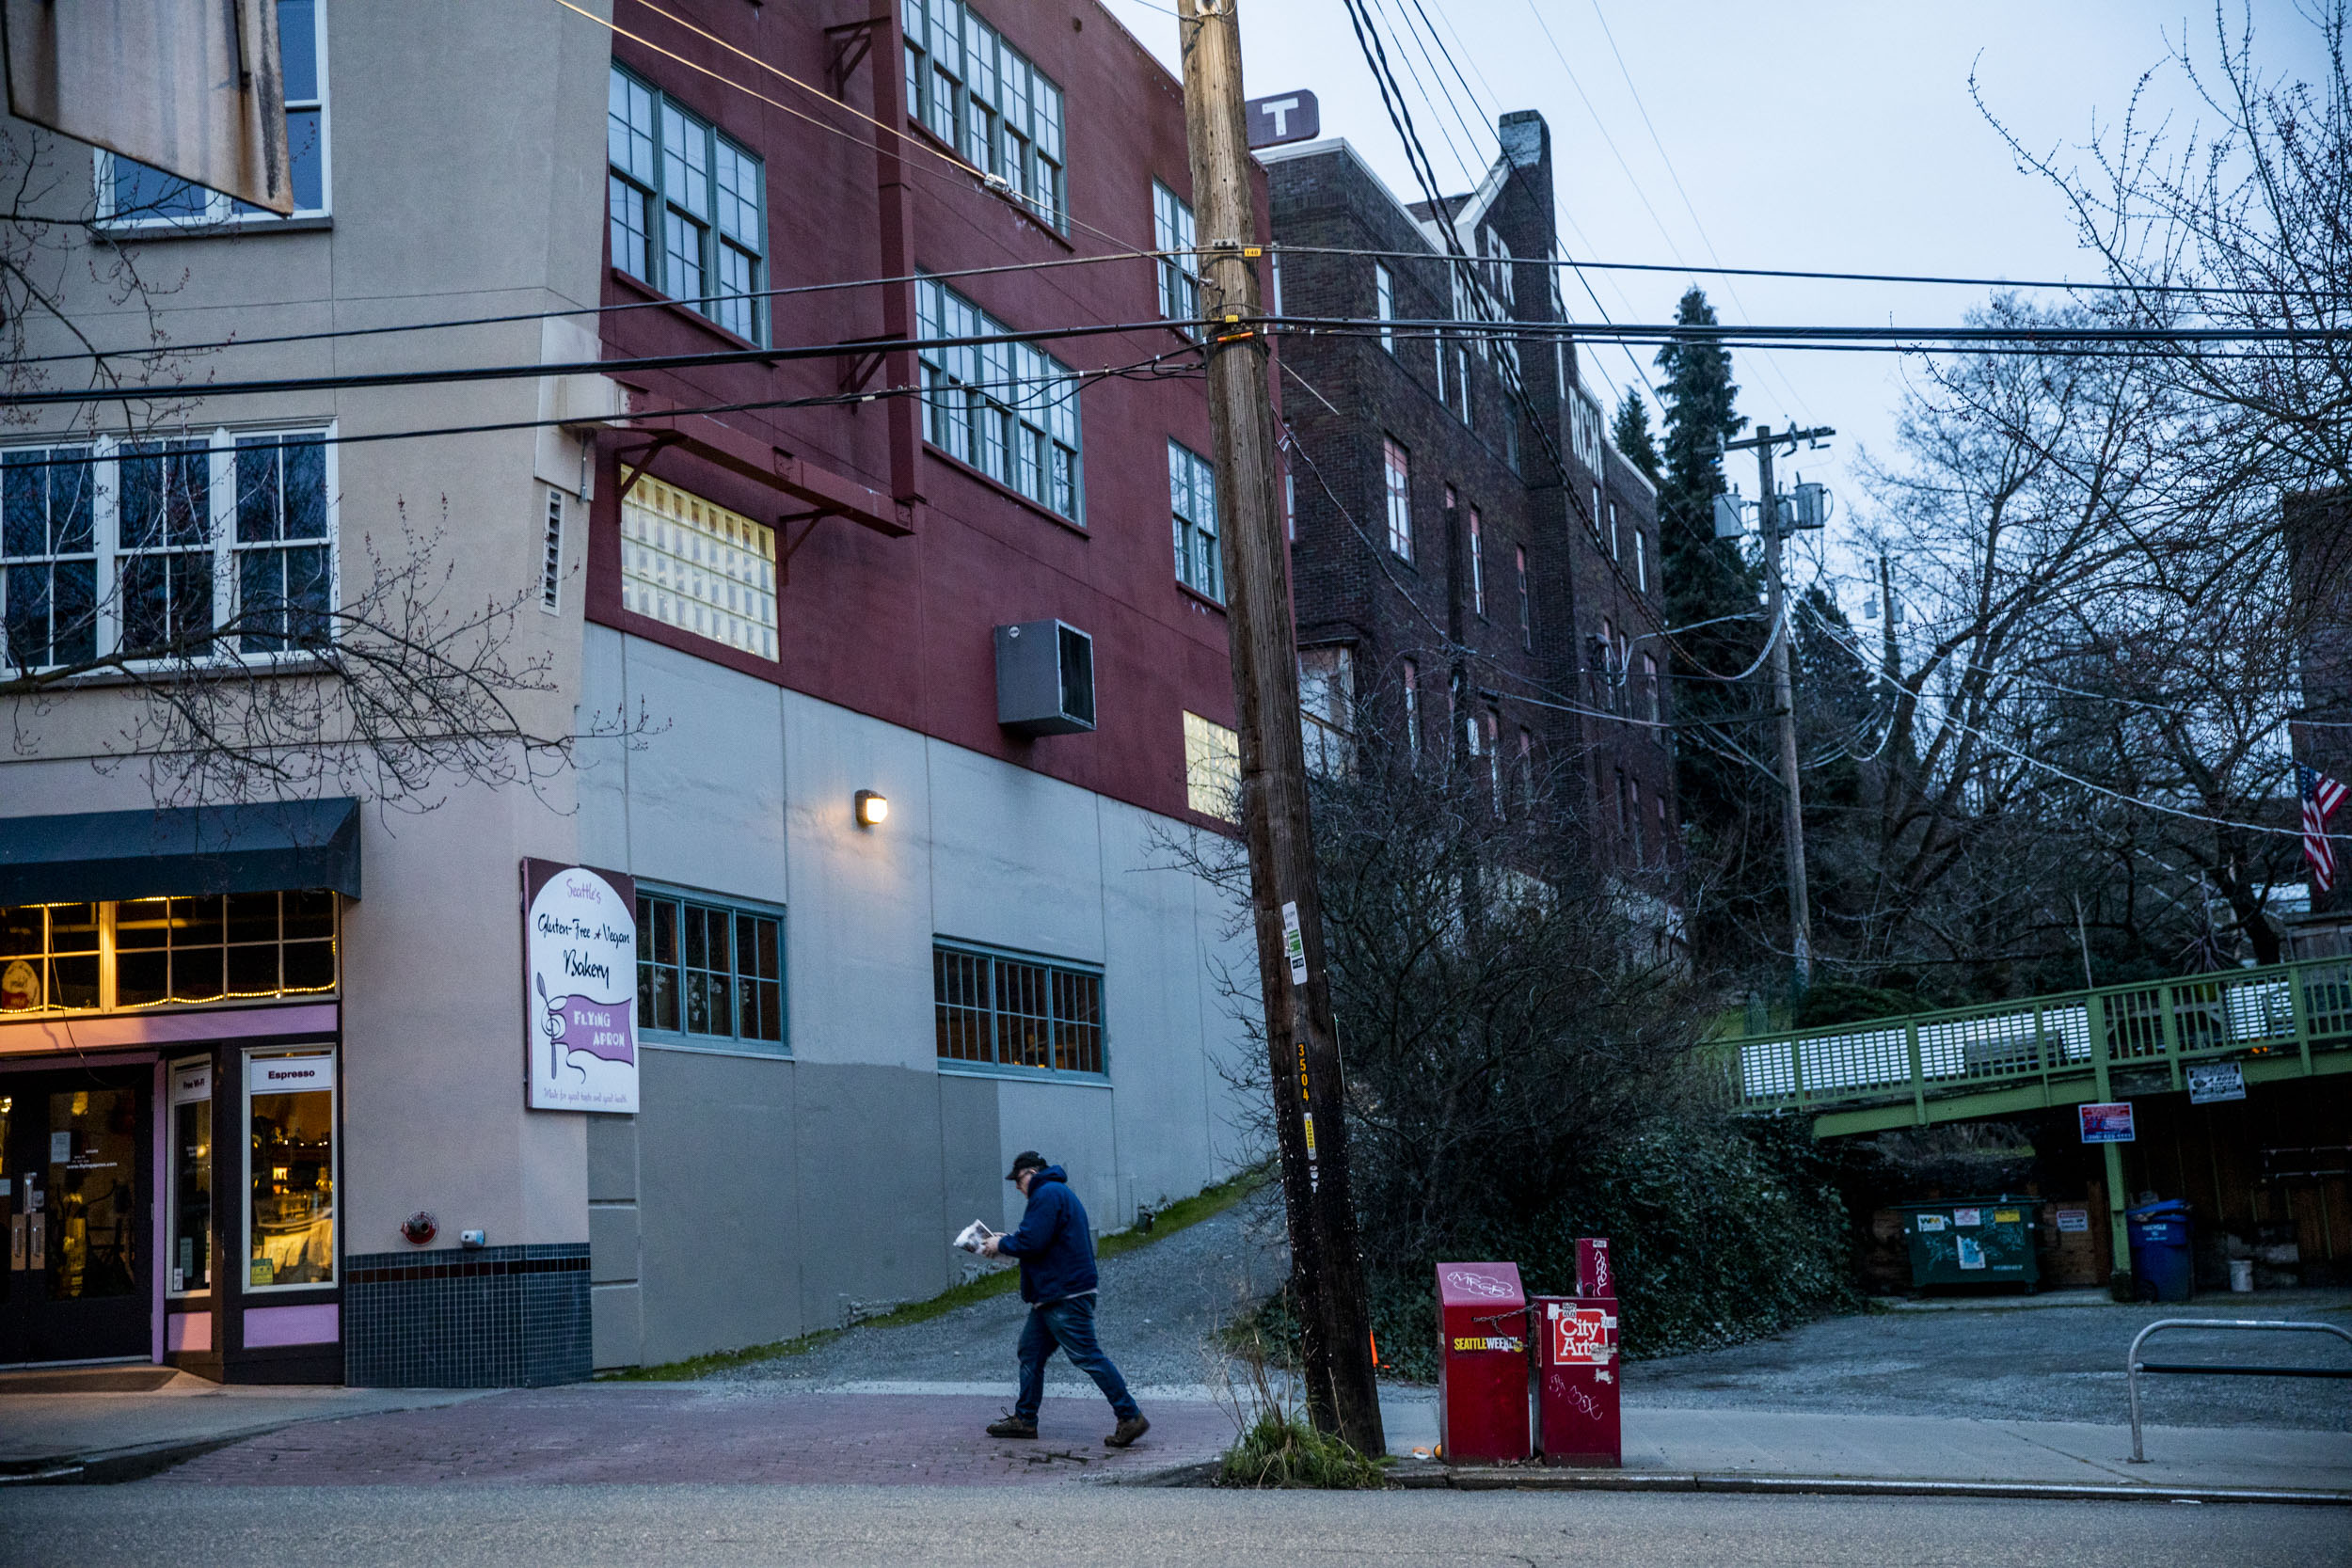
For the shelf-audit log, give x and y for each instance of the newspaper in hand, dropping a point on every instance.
(973, 1235)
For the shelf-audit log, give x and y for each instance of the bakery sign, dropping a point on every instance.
(579, 988)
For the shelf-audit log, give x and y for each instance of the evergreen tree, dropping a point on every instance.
(1728, 808)
(1631, 431)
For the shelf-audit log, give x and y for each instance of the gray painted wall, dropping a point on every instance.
(754, 1199)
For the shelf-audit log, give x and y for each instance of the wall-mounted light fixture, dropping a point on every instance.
(873, 809)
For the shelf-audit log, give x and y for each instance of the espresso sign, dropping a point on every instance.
(579, 988)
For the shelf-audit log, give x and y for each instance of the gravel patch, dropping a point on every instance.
(1158, 1305)
(2052, 1364)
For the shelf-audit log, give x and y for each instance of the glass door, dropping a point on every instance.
(78, 1156)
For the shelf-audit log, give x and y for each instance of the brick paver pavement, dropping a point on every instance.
(619, 1433)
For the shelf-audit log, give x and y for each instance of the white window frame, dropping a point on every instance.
(1192, 510)
(220, 210)
(107, 453)
(1174, 235)
(1396, 486)
(334, 1093)
(1477, 567)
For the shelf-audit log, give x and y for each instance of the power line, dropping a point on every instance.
(1929, 278)
(512, 317)
(588, 367)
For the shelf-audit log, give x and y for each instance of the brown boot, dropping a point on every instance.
(1013, 1426)
(1129, 1430)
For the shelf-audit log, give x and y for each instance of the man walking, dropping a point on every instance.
(1058, 1279)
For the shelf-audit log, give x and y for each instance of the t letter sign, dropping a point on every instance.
(1289, 116)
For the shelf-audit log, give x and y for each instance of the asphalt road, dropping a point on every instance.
(2032, 1364)
(708, 1527)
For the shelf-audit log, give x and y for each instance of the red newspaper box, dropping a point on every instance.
(1482, 1362)
(1576, 1379)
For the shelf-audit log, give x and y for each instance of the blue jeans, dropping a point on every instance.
(1068, 1325)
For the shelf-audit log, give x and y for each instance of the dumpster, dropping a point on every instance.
(1482, 1362)
(1973, 1240)
(1576, 1379)
(2160, 1254)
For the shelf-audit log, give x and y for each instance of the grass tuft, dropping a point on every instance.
(1280, 1449)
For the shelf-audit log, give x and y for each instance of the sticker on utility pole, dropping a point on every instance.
(2109, 1123)
(2216, 1081)
(1294, 944)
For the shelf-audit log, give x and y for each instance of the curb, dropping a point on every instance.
(1487, 1479)
(117, 1465)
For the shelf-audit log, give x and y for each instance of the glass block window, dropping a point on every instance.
(1009, 410)
(132, 193)
(1212, 769)
(217, 546)
(710, 973)
(1002, 1010)
(166, 951)
(1180, 270)
(685, 206)
(979, 94)
(693, 564)
(1192, 502)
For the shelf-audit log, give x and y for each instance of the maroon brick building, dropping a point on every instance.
(1446, 565)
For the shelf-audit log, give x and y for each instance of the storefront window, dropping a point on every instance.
(290, 1103)
(161, 952)
(191, 1255)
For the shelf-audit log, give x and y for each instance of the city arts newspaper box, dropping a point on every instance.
(1576, 1389)
(1482, 1362)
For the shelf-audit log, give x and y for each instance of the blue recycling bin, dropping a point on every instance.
(2160, 1254)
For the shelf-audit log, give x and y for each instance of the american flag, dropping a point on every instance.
(2321, 796)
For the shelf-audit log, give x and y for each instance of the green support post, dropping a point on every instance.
(1919, 1072)
(2119, 1281)
(2301, 1003)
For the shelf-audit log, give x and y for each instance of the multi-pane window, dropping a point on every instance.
(130, 192)
(1527, 598)
(1641, 563)
(1008, 409)
(1180, 271)
(1478, 565)
(1212, 769)
(1327, 700)
(48, 557)
(210, 545)
(983, 97)
(1001, 1010)
(1384, 302)
(692, 564)
(1192, 503)
(166, 951)
(1396, 470)
(711, 973)
(686, 207)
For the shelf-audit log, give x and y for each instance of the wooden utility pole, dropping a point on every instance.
(1776, 618)
(1302, 1042)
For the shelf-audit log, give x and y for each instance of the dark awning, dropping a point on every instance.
(184, 851)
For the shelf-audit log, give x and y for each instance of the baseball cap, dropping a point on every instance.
(1029, 1159)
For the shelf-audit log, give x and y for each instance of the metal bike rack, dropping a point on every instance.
(2134, 1366)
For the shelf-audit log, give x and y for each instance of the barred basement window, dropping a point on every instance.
(693, 564)
(1192, 502)
(1008, 409)
(1000, 1011)
(982, 96)
(1212, 769)
(712, 974)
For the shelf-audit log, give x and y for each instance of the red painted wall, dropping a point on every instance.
(901, 628)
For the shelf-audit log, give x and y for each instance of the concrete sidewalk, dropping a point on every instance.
(929, 1434)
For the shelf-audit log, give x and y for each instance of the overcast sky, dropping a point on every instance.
(1829, 136)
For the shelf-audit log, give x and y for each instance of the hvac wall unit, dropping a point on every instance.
(1044, 678)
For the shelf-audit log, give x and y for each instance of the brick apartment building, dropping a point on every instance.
(1436, 542)
(2319, 552)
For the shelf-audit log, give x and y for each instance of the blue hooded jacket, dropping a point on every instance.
(1053, 1241)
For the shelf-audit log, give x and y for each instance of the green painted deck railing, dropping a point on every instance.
(2287, 1020)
